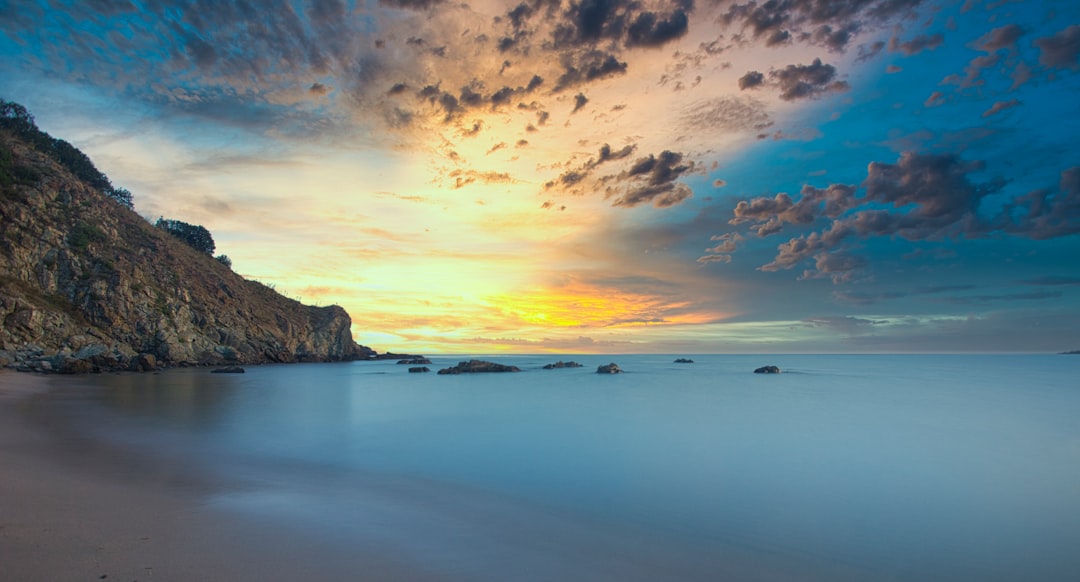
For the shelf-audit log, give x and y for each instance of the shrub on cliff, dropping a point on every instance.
(194, 235)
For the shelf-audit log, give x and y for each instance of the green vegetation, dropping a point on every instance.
(83, 234)
(194, 235)
(224, 260)
(17, 119)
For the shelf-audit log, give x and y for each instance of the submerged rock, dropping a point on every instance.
(478, 366)
(611, 368)
(767, 370)
(228, 370)
(684, 361)
(562, 364)
(419, 370)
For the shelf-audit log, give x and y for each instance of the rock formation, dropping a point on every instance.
(562, 364)
(767, 370)
(87, 284)
(611, 368)
(477, 366)
(684, 361)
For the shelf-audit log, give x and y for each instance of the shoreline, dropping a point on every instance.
(63, 518)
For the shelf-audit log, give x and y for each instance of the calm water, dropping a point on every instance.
(844, 467)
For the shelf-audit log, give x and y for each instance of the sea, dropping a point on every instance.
(842, 467)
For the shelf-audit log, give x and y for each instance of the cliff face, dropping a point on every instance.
(86, 283)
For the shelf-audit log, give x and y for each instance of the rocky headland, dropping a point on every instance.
(86, 284)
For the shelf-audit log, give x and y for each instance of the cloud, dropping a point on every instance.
(726, 114)
(916, 45)
(1000, 106)
(807, 81)
(577, 174)
(1003, 37)
(1062, 50)
(586, 67)
(579, 101)
(831, 24)
(920, 197)
(653, 180)
(751, 80)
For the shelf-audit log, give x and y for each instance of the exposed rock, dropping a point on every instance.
(419, 370)
(144, 363)
(415, 361)
(83, 277)
(478, 366)
(767, 370)
(228, 370)
(562, 364)
(611, 368)
(684, 361)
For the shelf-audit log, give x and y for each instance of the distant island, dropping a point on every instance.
(86, 284)
(1072, 353)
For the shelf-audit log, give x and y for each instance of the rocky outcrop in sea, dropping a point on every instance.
(477, 367)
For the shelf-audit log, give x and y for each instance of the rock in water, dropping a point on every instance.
(478, 366)
(611, 368)
(229, 370)
(767, 370)
(419, 370)
(415, 361)
(684, 361)
(562, 364)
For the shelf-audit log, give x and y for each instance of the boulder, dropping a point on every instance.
(478, 366)
(562, 364)
(419, 370)
(228, 370)
(767, 370)
(144, 363)
(684, 361)
(611, 368)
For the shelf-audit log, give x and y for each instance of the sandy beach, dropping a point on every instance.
(69, 511)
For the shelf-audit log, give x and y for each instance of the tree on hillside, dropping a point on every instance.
(194, 235)
(16, 118)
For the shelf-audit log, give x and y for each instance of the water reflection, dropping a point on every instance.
(191, 398)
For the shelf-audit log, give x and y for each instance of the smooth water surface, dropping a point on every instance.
(864, 467)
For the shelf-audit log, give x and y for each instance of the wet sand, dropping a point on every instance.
(68, 513)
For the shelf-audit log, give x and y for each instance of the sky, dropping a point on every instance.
(599, 176)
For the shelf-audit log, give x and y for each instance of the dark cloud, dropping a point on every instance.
(921, 197)
(318, 89)
(806, 81)
(1000, 106)
(588, 22)
(829, 23)
(650, 29)
(653, 179)
(1003, 37)
(751, 79)
(973, 72)
(397, 89)
(576, 175)
(588, 66)
(1062, 50)
(1047, 212)
(916, 45)
(579, 101)
(770, 214)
